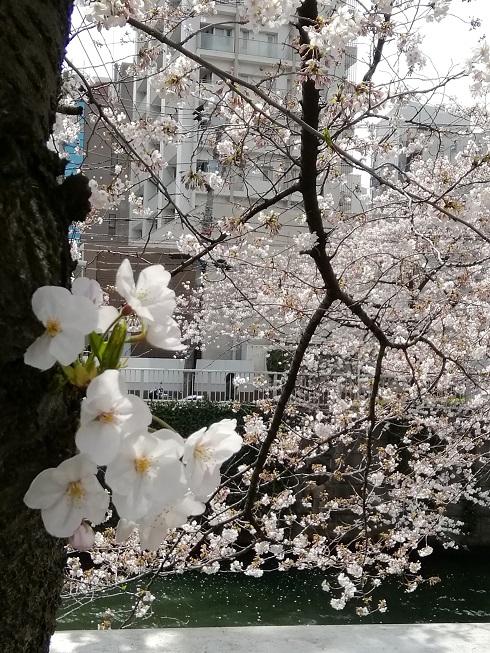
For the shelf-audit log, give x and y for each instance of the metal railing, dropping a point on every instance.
(214, 385)
(246, 387)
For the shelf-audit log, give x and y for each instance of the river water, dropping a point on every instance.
(296, 597)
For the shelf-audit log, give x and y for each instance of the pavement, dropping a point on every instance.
(383, 638)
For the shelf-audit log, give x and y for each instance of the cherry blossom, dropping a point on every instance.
(403, 345)
(67, 494)
(108, 414)
(205, 451)
(146, 469)
(154, 528)
(67, 320)
(90, 288)
(150, 298)
(99, 197)
(165, 335)
(269, 14)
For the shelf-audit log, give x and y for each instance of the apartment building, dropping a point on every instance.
(264, 58)
(267, 60)
(104, 243)
(418, 130)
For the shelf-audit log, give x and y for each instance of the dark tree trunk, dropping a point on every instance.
(37, 414)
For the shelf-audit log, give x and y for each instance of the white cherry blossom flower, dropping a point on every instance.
(150, 298)
(107, 414)
(205, 451)
(67, 494)
(67, 320)
(147, 469)
(90, 288)
(154, 528)
(165, 335)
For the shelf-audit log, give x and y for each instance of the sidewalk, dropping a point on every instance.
(386, 638)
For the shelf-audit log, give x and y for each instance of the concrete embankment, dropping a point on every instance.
(385, 638)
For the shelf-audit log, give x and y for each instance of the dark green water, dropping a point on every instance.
(296, 597)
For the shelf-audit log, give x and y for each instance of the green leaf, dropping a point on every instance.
(327, 138)
(114, 347)
(97, 345)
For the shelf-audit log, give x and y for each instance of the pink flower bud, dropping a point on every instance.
(83, 538)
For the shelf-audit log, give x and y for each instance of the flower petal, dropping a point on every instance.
(79, 314)
(124, 529)
(154, 278)
(139, 415)
(96, 504)
(99, 441)
(125, 280)
(63, 518)
(152, 535)
(205, 483)
(106, 384)
(89, 288)
(132, 506)
(105, 317)
(75, 468)
(173, 436)
(48, 301)
(165, 336)
(66, 346)
(45, 490)
(38, 354)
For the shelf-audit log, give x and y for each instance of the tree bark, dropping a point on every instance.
(37, 412)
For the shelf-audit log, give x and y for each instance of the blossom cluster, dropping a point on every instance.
(410, 258)
(330, 38)
(154, 478)
(269, 14)
(114, 13)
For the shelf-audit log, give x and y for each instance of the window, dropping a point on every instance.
(218, 30)
(111, 224)
(172, 172)
(205, 76)
(206, 166)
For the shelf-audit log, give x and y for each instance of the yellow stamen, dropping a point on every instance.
(53, 327)
(142, 465)
(106, 418)
(202, 453)
(75, 491)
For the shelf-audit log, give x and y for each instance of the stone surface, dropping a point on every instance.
(387, 638)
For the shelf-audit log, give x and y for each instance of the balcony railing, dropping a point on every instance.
(217, 43)
(249, 47)
(262, 49)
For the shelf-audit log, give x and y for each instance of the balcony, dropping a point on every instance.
(216, 42)
(261, 49)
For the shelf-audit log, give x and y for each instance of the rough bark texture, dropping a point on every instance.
(37, 416)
